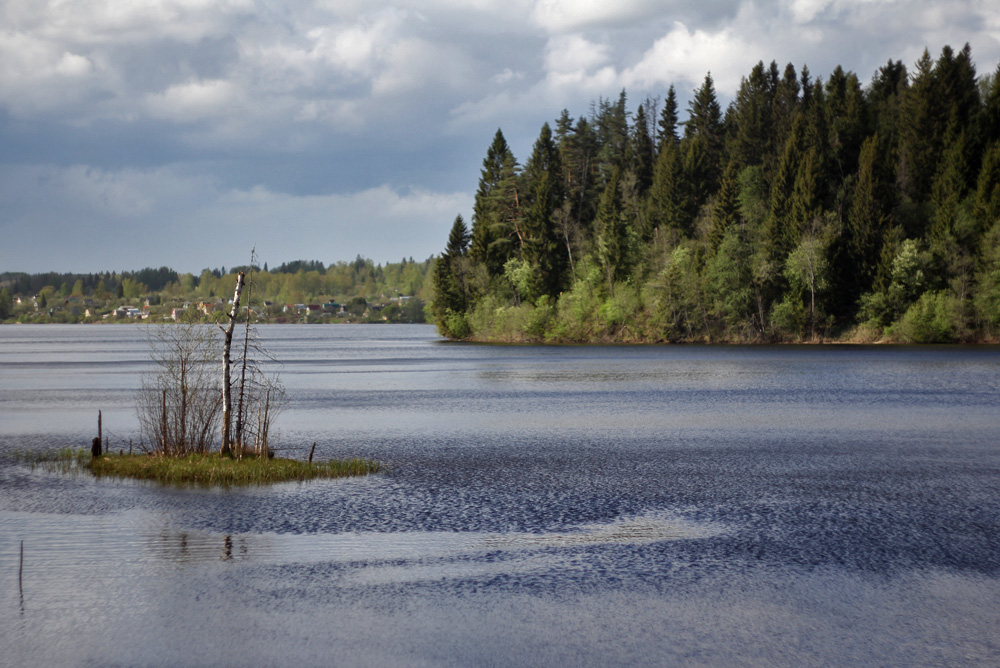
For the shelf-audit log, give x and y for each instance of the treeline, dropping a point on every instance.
(68, 283)
(300, 282)
(809, 209)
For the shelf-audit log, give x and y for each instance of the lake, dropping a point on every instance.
(545, 506)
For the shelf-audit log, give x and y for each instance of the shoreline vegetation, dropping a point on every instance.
(214, 469)
(294, 292)
(808, 210)
(203, 470)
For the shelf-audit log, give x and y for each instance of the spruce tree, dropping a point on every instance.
(752, 119)
(451, 293)
(847, 119)
(868, 221)
(922, 131)
(667, 126)
(541, 245)
(726, 208)
(496, 208)
(641, 152)
(670, 205)
(986, 205)
(612, 233)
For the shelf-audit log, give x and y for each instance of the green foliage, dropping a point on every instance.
(6, 303)
(455, 326)
(932, 319)
(215, 470)
(101, 294)
(987, 298)
(908, 278)
(809, 209)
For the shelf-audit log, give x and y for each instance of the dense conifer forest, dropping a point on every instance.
(810, 209)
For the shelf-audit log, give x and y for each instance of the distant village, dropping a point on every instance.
(298, 292)
(403, 308)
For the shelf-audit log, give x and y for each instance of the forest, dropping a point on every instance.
(808, 210)
(395, 291)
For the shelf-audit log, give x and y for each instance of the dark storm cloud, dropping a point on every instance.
(151, 130)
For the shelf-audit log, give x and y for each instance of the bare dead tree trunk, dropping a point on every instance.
(227, 397)
(243, 364)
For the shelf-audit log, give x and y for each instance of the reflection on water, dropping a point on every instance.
(563, 506)
(89, 541)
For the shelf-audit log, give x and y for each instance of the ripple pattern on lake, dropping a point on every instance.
(562, 506)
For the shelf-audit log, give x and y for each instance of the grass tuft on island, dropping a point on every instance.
(213, 469)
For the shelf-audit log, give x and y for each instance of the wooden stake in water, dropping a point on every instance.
(20, 574)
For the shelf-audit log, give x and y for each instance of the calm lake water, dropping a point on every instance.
(546, 506)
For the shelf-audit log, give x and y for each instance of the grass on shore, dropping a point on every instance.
(199, 469)
(212, 469)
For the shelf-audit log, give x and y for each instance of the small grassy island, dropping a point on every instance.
(215, 469)
(181, 408)
(198, 469)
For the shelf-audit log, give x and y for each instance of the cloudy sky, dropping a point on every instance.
(141, 133)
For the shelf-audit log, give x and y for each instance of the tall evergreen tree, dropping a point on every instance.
(667, 126)
(541, 245)
(752, 119)
(868, 221)
(670, 205)
(496, 209)
(702, 146)
(846, 119)
(611, 121)
(451, 292)
(922, 131)
(612, 233)
(986, 205)
(641, 151)
(726, 208)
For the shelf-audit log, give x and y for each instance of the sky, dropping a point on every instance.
(183, 133)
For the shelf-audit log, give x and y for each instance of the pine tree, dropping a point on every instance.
(496, 208)
(922, 131)
(846, 119)
(726, 208)
(451, 292)
(752, 119)
(667, 126)
(986, 205)
(641, 152)
(541, 246)
(868, 221)
(612, 233)
(779, 234)
(670, 206)
(806, 204)
(611, 122)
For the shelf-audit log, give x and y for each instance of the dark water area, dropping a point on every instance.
(545, 506)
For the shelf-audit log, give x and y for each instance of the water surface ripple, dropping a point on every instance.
(561, 506)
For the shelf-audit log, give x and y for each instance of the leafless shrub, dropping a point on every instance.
(179, 404)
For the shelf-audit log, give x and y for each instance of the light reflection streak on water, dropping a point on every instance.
(95, 541)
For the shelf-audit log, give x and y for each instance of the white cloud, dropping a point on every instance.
(193, 100)
(574, 53)
(507, 76)
(111, 21)
(804, 11)
(688, 55)
(563, 15)
(404, 92)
